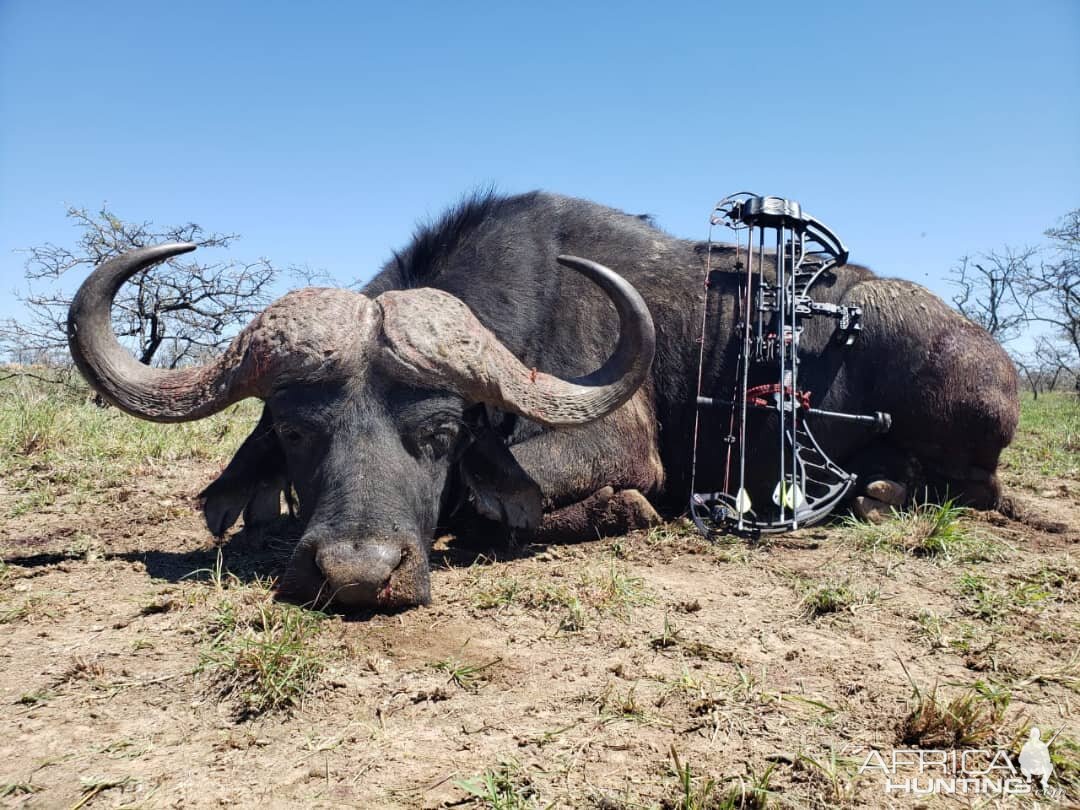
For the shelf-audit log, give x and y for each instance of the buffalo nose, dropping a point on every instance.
(358, 572)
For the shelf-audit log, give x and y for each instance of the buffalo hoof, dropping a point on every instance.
(871, 509)
(637, 511)
(887, 491)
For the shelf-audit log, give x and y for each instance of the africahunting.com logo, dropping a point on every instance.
(964, 772)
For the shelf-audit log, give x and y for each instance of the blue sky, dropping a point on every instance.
(322, 131)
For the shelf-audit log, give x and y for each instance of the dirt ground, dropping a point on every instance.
(570, 676)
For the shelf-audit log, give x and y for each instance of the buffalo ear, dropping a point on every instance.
(501, 489)
(251, 484)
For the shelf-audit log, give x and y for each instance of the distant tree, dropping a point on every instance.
(167, 316)
(1052, 287)
(988, 293)
(1033, 292)
(1046, 366)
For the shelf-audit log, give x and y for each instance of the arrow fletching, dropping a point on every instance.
(789, 496)
(743, 503)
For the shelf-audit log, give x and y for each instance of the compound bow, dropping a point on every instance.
(808, 483)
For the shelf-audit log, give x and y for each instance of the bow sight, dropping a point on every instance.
(775, 303)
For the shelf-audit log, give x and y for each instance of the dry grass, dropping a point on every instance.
(55, 443)
(968, 720)
(575, 598)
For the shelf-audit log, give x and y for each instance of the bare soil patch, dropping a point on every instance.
(550, 676)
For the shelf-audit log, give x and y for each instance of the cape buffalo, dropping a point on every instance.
(426, 401)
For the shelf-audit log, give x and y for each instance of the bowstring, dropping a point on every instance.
(701, 358)
(735, 391)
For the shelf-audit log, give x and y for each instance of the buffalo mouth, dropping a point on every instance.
(350, 575)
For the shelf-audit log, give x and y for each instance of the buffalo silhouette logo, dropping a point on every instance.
(1035, 759)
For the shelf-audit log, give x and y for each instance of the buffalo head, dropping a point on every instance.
(372, 402)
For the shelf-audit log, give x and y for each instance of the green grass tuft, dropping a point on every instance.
(991, 601)
(935, 531)
(829, 597)
(970, 719)
(694, 793)
(261, 654)
(467, 676)
(506, 787)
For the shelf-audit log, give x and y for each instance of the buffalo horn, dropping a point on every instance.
(433, 339)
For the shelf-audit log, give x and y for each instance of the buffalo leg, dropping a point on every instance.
(605, 513)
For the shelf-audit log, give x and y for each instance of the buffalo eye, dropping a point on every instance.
(290, 435)
(434, 442)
